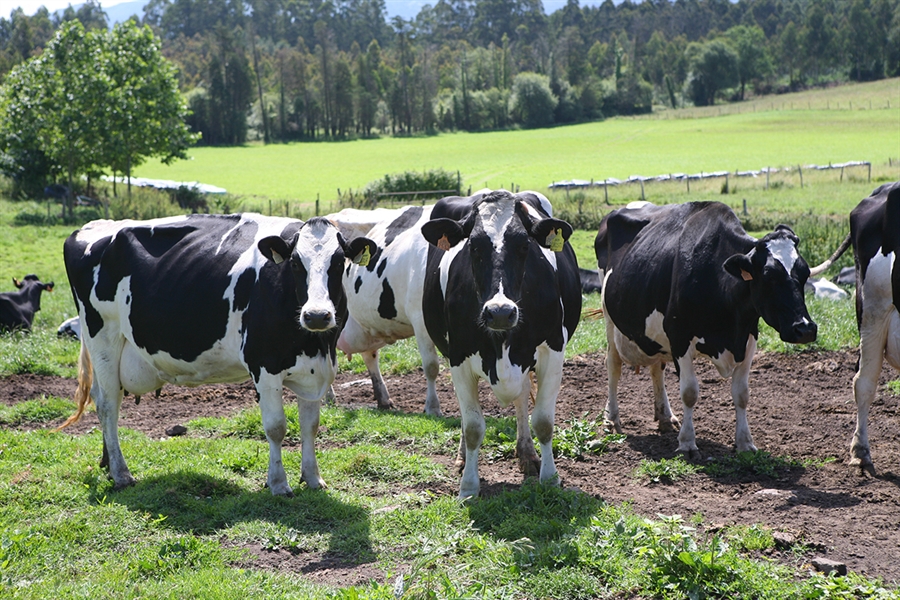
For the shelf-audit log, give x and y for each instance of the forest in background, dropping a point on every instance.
(282, 70)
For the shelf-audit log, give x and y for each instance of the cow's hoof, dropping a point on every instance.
(434, 412)
(314, 483)
(864, 463)
(693, 455)
(125, 483)
(668, 425)
(615, 424)
(460, 464)
(385, 405)
(530, 466)
(553, 481)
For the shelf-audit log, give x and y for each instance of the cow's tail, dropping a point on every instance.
(83, 393)
(818, 270)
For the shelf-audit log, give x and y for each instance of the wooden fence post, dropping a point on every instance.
(800, 170)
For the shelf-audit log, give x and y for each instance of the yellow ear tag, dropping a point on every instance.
(444, 243)
(746, 276)
(364, 258)
(557, 241)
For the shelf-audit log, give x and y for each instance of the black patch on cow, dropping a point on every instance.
(875, 228)
(381, 266)
(243, 289)
(387, 308)
(407, 219)
(357, 284)
(80, 272)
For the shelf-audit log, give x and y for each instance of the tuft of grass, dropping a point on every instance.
(665, 470)
(41, 410)
(581, 437)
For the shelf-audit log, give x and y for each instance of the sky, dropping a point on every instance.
(404, 8)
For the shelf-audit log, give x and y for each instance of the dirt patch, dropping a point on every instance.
(801, 407)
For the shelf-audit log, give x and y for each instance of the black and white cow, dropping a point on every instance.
(502, 298)
(17, 309)
(385, 298)
(203, 299)
(684, 280)
(875, 235)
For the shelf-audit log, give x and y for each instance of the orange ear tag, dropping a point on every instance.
(746, 276)
(444, 243)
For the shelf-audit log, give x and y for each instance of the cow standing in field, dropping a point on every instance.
(17, 309)
(686, 280)
(206, 299)
(875, 235)
(502, 298)
(385, 299)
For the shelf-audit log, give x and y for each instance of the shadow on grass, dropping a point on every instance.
(201, 504)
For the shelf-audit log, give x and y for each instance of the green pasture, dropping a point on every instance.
(533, 159)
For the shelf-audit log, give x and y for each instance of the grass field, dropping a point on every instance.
(535, 158)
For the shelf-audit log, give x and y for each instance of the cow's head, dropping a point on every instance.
(316, 255)
(776, 274)
(32, 287)
(501, 233)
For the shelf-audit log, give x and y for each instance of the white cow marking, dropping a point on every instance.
(784, 251)
(496, 221)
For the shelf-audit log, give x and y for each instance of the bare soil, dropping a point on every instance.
(801, 407)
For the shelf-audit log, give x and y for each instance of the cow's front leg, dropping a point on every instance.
(549, 375)
(275, 426)
(614, 372)
(432, 366)
(466, 385)
(740, 394)
(662, 410)
(690, 392)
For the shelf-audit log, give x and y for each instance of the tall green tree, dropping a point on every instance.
(714, 67)
(753, 56)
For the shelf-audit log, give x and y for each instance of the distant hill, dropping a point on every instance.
(121, 12)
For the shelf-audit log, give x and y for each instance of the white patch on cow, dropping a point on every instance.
(638, 204)
(784, 251)
(316, 246)
(446, 261)
(545, 204)
(97, 230)
(500, 300)
(822, 288)
(653, 329)
(495, 219)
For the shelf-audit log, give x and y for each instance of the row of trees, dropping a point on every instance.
(306, 69)
(92, 102)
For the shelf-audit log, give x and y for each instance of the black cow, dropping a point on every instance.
(17, 308)
(502, 298)
(875, 235)
(686, 279)
(202, 299)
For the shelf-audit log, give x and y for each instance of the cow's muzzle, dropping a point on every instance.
(500, 317)
(317, 320)
(803, 332)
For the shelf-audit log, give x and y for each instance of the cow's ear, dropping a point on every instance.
(444, 233)
(17, 283)
(740, 266)
(276, 249)
(360, 251)
(49, 287)
(551, 233)
(790, 232)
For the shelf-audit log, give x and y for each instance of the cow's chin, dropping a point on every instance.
(799, 333)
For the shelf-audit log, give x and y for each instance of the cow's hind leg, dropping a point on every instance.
(529, 463)
(108, 393)
(379, 389)
(865, 386)
(740, 394)
(690, 392)
(662, 410)
(432, 366)
(614, 372)
(275, 426)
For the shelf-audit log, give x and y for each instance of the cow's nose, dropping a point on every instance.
(804, 332)
(500, 317)
(317, 320)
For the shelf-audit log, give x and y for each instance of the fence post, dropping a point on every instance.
(745, 207)
(605, 192)
(800, 170)
(642, 190)
(767, 177)
(870, 172)
(842, 173)
(317, 204)
(687, 178)
(458, 184)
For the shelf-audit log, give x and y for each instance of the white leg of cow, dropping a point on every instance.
(382, 397)
(690, 392)
(662, 410)
(865, 386)
(614, 372)
(466, 385)
(549, 374)
(309, 428)
(272, 409)
(740, 394)
(107, 393)
(432, 367)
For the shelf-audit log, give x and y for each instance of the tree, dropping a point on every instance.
(145, 113)
(753, 58)
(532, 101)
(861, 40)
(714, 66)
